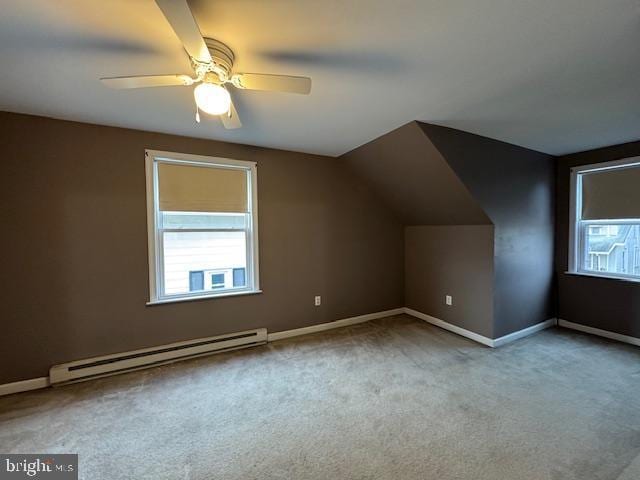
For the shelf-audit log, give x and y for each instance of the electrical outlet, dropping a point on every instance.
(318, 301)
(448, 299)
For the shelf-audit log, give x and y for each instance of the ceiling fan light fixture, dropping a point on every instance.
(212, 99)
(212, 62)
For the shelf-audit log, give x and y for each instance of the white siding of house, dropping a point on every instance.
(191, 251)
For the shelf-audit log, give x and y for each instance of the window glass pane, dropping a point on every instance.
(239, 277)
(612, 248)
(215, 254)
(196, 281)
(217, 280)
(202, 220)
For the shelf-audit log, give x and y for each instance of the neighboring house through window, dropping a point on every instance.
(202, 226)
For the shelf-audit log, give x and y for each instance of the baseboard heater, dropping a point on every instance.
(149, 357)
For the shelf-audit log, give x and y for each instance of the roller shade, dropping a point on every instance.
(189, 188)
(611, 194)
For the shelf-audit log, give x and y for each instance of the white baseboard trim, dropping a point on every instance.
(601, 333)
(489, 342)
(271, 337)
(448, 326)
(498, 342)
(24, 385)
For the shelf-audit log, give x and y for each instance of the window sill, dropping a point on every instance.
(203, 297)
(606, 277)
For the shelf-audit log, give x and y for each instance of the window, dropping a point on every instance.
(217, 281)
(196, 281)
(239, 277)
(202, 226)
(605, 208)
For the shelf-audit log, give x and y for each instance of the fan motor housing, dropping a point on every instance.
(221, 54)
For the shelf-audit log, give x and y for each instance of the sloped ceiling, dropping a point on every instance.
(414, 179)
(513, 185)
(434, 175)
(553, 75)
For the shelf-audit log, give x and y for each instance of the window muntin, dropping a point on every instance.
(605, 246)
(201, 253)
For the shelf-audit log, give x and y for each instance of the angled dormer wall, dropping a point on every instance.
(516, 188)
(448, 236)
(478, 218)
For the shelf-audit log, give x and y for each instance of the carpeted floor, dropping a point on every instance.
(390, 399)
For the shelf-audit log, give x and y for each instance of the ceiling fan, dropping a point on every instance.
(212, 62)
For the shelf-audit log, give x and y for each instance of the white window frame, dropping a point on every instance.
(577, 225)
(154, 239)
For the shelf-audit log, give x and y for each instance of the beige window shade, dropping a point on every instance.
(188, 188)
(611, 194)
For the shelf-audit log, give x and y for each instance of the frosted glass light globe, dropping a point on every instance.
(212, 98)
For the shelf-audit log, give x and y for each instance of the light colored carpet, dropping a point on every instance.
(390, 399)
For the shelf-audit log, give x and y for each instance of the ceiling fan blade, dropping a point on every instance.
(273, 83)
(231, 120)
(179, 16)
(147, 81)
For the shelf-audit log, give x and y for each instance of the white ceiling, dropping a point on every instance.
(553, 75)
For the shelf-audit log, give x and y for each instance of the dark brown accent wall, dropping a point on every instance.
(607, 304)
(74, 243)
(454, 260)
(515, 187)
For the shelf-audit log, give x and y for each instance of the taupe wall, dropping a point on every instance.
(452, 260)
(74, 243)
(608, 304)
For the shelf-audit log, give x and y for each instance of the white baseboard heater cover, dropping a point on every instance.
(149, 357)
